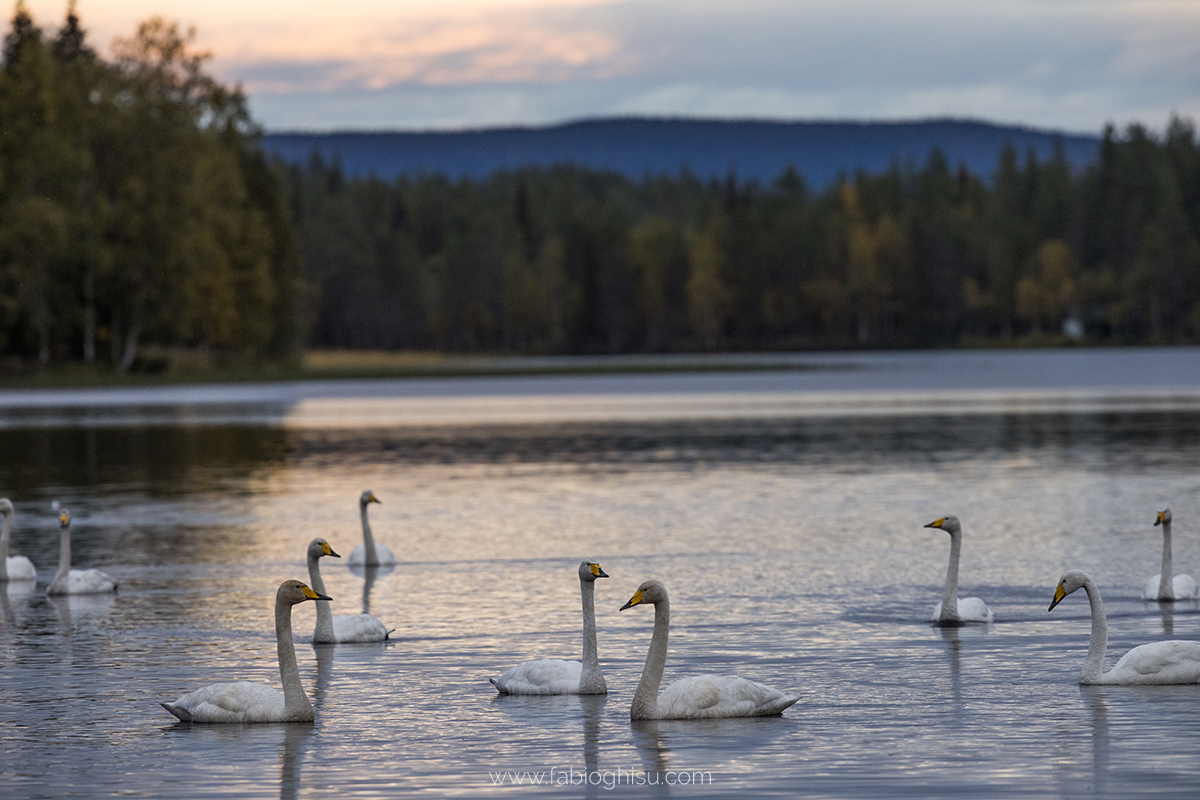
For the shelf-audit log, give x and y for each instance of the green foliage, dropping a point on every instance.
(137, 207)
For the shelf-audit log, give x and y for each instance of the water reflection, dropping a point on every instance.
(79, 609)
(653, 747)
(1097, 704)
(369, 576)
(950, 635)
(291, 754)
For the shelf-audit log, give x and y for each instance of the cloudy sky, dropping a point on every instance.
(420, 64)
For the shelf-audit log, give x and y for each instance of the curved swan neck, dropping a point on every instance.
(645, 698)
(368, 539)
(295, 701)
(950, 596)
(590, 678)
(1166, 580)
(324, 629)
(1093, 665)
(5, 533)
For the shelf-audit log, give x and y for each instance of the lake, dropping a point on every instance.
(781, 503)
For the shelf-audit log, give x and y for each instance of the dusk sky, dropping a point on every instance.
(421, 64)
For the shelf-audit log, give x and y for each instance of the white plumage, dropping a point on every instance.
(342, 627)
(12, 568)
(255, 702)
(1170, 662)
(701, 697)
(554, 676)
(75, 581)
(369, 554)
(1177, 587)
(953, 610)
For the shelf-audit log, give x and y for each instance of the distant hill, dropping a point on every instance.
(820, 151)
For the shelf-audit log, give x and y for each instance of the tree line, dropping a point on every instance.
(136, 207)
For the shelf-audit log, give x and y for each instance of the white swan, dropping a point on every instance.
(257, 702)
(553, 676)
(343, 627)
(12, 568)
(701, 697)
(75, 581)
(369, 554)
(1156, 663)
(955, 610)
(1163, 586)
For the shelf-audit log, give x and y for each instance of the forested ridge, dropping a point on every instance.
(137, 208)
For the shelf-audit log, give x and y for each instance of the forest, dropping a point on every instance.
(137, 209)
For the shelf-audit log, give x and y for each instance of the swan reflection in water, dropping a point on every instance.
(1097, 702)
(81, 609)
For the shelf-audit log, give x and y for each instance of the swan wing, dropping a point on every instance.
(1172, 662)
(1150, 590)
(84, 581)
(972, 609)
(20, 568)
(230, 702)
(544, 676)
(1184, 586)
(358, 556)
(358, 628)
(716, 696)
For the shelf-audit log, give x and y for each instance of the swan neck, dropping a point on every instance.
(1093, 665)
(368, 539)
(950, 595)
(64, 554)
(295, 701)
(1166, 585)
(5, 533)
(645, 698)
(590, 678)
(324, 630)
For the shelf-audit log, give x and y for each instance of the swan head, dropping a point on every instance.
(649, 592)
(368, 497)
(1164, 517)
(64, 518)
(590, 570)
(318, 548)
(948, 523)
(1071, 580)
(294, 592)
(6, 506)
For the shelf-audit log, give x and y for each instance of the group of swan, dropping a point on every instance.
(1171, 662)
(66, 580)
(701, 697)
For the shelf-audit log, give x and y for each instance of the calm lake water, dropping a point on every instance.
(782, 509)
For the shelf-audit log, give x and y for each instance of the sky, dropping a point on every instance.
(1072, 65)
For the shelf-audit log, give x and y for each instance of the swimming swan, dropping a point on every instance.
(1156, 663)
(12, 568)
(369, 554)
(701, 697)
(1162, 586)
(553, 676)
(257, 702)
(954, 610)
(343, 627)
(75, 581)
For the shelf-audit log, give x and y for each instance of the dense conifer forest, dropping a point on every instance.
(137, 209)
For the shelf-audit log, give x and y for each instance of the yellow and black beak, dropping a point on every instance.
(1159, 520)
(373, 499)
(327, 550)
(597, 571)
(1059, 594)
(937, 523)
(311, 595)
(636, 600)
(64, 519)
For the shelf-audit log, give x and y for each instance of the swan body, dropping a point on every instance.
(553, 676)
(255, 702)
(369, 554)
(12, 568)
(953, 610)
(1170, 662)
(701, 697)
(343, 627)
(75, 581)
(1177, 587)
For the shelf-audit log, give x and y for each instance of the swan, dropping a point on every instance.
(701, 697)
(369, 554)
(1162, 586)
(553, 676)
(1170, 662)
(257, 702)
(75, 581)
(12, 568)
(954, 610)
(343, 627)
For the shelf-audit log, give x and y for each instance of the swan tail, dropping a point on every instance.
(178, 711)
